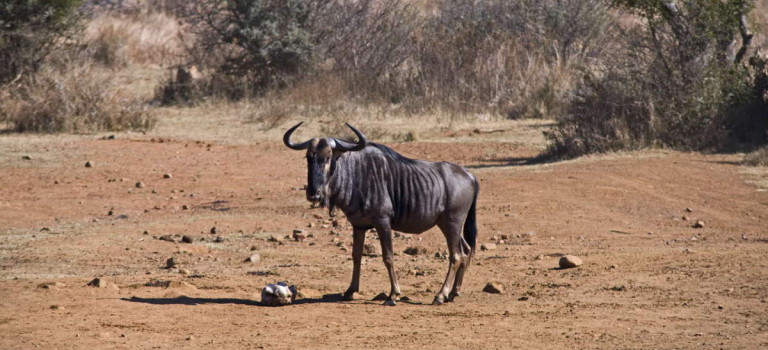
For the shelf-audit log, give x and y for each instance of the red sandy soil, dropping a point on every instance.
(649, 279)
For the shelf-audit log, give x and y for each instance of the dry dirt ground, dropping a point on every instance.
(649, 279)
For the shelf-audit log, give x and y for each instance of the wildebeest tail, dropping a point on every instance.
(470, 225)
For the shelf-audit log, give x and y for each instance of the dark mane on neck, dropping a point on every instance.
(390, 153)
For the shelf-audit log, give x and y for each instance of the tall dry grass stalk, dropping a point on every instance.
(72, 96)
(145, 38)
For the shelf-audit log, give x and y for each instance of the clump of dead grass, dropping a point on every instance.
(117, 40)
(72, 96)
(758, 157)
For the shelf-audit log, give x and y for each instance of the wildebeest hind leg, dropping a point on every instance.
(456, 291)
(452, 232)
(385, 237)
(358, 239)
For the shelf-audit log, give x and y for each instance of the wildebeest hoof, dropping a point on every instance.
(389, 302)
(438, 301)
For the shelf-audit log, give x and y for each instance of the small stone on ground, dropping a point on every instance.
(570, 261)
(493, 288)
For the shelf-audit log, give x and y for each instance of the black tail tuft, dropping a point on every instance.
(470, 225)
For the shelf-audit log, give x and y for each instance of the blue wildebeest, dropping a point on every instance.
(377, 187)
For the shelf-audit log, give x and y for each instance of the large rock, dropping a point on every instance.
(569, 261)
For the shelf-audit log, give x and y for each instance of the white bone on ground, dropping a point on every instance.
(279, 293)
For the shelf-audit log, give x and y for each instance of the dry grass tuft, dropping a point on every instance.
(146, 38)
(72, 97)
(758, 157)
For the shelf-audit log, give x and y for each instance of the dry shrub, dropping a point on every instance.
(116, 39)
(500, 57)
(672, 84)
(319, 99)
(72, 96)
(758, 157)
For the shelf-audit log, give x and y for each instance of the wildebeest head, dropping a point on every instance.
(321, 153)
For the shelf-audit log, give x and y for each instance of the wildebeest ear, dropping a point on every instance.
(344, 146)
(287, 139)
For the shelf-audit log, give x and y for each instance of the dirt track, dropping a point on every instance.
(649, 279)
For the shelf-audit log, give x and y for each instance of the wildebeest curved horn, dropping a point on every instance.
(295, 146)
(342, 145)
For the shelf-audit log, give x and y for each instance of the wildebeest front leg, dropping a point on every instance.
(387, 252)
(358, 240)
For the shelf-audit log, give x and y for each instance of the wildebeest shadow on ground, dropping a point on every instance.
(185, 300)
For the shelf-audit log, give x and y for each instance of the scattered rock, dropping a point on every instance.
(415, 250)
(187, 239)
(493, 288)
(171, 263)
(184, 271)
(213, 230)
(57, 307)
(278, 294)
(98, 283)
(26, 157)
(311, 225)
(523, 298)
(255, 257)
(370, 250)
(139, 184)
(685, 218)
(569, 261)
(335, 223)
(167, 176)
(191, 337)
(698, 224)
(51, 285)
(299, 235)
(89, 164)
(184, 207)
(167, 238)
(317, 216)
(274, 238)
(218, 239)
(488, 246)
(689, 210)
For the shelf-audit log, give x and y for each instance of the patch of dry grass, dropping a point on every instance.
(144, 38)
(758, 157)
(72, 96)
